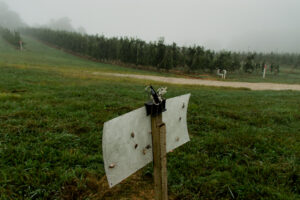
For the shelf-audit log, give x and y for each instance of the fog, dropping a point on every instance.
(240, 25)
(9, 18)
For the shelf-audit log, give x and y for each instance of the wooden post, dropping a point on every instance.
(159, 157)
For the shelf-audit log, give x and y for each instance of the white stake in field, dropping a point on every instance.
(264, 72)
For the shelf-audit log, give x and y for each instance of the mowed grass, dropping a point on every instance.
(287, 74)
(244, 144)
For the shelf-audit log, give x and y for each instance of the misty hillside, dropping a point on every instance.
(12, 20)
(63, 24)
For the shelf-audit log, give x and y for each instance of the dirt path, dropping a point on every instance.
(186, 81)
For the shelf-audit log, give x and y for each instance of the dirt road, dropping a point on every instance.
(187, 81)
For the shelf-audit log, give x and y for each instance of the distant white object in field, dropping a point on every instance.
(218, 73)
(223, 75)
(127, 140)
(264, 73)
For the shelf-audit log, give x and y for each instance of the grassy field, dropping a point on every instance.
(39, 55)
(36, 54)
(244, 144)
(287, 75)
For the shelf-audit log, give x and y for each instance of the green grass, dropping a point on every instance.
(36, 54)
(244, 143)
(287, 75)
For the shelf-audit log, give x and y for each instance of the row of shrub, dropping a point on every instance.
(12, 37)
(138, 52)
(159, 54)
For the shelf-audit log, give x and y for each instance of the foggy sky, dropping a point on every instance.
(241, 25)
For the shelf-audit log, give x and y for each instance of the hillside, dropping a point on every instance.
(244, 144)
(37, 54)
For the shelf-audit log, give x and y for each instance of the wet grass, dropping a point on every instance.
(287, 74)
(244, 144)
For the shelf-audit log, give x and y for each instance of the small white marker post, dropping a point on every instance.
(264, 72)
(137, 138)
(224, 73)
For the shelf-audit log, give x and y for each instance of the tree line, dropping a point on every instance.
(12, 37)
(157, 54)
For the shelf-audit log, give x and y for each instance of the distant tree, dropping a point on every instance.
(61, 24)
(81, 30)
(175, 55)
(276, 69)
(272, 67)
(190, 58)
(161, 53)
(263, 66)
(210, 57)
(167, 62)
(224, 61)
(195, 65)
(157, 54)
(249, 63)
(236, 63)
(257, 67)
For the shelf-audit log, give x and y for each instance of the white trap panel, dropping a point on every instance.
(127, 140)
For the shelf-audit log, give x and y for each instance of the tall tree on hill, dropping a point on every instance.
(210, 59)
(249, 64)
(236, 63)
(263, 66)
(167, 62)
(191, 58)
(175, 55)
(161, 51)
(223, 60)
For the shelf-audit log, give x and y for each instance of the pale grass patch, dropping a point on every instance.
(4, 95)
